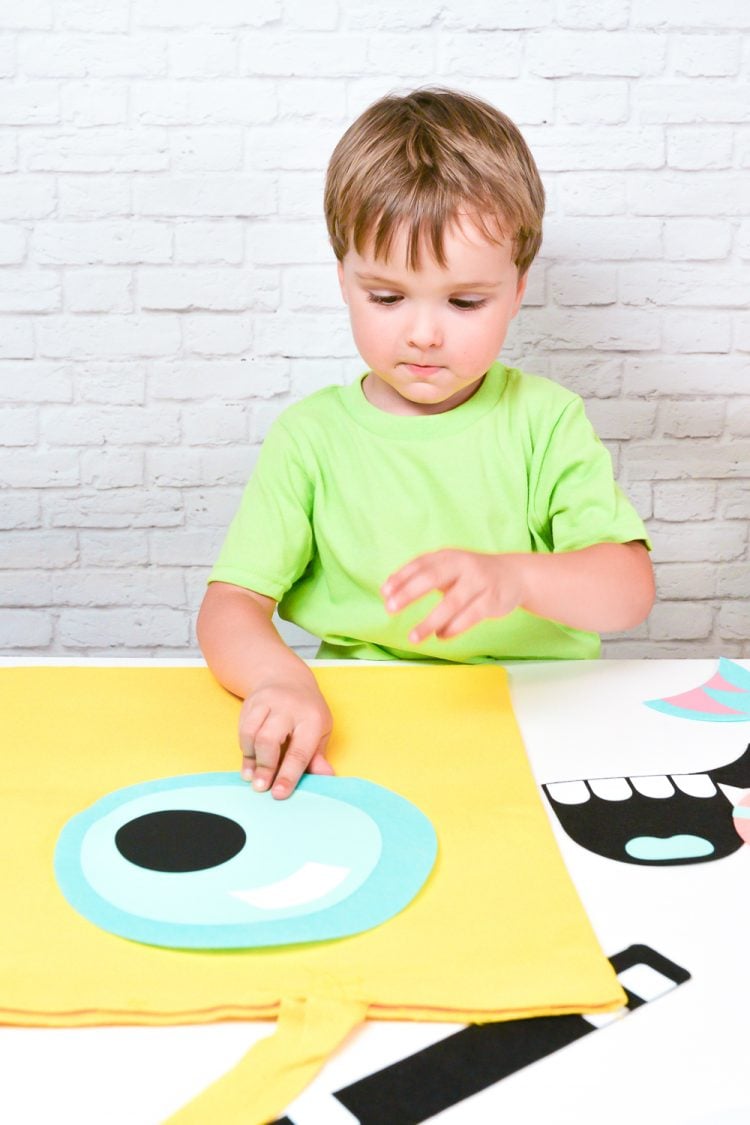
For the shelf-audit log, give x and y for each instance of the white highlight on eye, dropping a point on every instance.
(611, 788)
(568, 792)
(694, 784)
(308, 882)
(653, 785)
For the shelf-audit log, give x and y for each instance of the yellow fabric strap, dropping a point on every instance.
(277, 1069)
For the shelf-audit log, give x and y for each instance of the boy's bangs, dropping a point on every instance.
(424, 216)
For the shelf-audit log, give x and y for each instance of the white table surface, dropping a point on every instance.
(682, 1059)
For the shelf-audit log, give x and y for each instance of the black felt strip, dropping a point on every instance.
(468, 1061)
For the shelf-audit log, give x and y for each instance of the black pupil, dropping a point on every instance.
(180, 840)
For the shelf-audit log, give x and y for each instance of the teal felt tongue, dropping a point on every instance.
(657, 849)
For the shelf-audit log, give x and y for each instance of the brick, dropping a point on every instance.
(26, 197)
(201, 467)
(671, 621)
(102, 587)
(207, 243)
(95, 56)
(112, 243)
(734, 501)
(703, 331)
(26, 588)
(487, 54)
(738, 417)
(321, 16)
(669, 14)
(8, 160)
(565, 54)
(206, 196)
(693, 285)
(591, 193)
(217, 290)
(205, 149)
(697, 239)
(107, 629)
(318, 98)
(217, 334)
(88, 15)
(686, 581)
(715, 544)
(27, 17)
(674, 194)
(711, 56)
(593, 103)
(304, 335)
(602, 239)
(692, 419)
(86, 104)
(241, 380)
(16, 338)
(29, 291)
(591, 148)
(189, 548)
(210, 507)
(215, 425)
(307, 288)
(18, 426)
(360, 15)
(35, 469)
(20, 510)
(310, 375)
(406, 54)
(698, 458)
(610, 330)
(231, 101)
(90, 425)
(90, 291)
(204, 54)
(582, 285)
(613, 419)
(701, 147)
(685, 376)
(113, 548)
(24, 629)
(683, 501)
(93, 197)
(608, 14)
(734, 621)
(691, 103)
(30, 103)
(733, 580)
(121, 384)
(112, 468)
(300, 195)
(97, 150)
(109, 337)
(118, 508)
(295, 54)
(35, 382)
(40, 549)
(525, 102)
(193, 13)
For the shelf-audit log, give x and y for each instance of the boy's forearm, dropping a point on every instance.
(603, 589)
(240, 643)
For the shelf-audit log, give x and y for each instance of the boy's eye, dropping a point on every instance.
(466, 303)
(383, 298)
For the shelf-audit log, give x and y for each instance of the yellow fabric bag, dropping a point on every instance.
(496, 933)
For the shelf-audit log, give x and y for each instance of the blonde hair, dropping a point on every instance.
(423, 160)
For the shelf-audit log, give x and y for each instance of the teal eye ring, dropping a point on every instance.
(204, 862)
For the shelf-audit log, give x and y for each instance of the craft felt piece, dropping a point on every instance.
(497, 931)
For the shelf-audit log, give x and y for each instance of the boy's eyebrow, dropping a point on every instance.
(463, 285)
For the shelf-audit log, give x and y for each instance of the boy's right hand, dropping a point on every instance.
(284, 729)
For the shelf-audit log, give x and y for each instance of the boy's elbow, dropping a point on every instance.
(642, 587)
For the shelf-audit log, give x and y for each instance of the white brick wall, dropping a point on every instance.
(166, 287)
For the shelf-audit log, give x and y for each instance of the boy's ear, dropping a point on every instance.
(340, 272)
(520, 291)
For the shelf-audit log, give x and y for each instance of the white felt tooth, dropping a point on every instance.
(653, 785)
(568, 792)
(694, 784)
(611, 788)
(733, 793)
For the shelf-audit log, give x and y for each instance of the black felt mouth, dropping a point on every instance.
(611, 828)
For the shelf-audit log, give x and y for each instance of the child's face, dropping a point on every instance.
(429, 335)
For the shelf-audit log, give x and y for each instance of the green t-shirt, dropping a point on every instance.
(344, 494)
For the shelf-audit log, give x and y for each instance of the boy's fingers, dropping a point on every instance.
(300, 751)
(447, 619)
(266, 747)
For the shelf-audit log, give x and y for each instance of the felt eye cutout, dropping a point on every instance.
(205, 862)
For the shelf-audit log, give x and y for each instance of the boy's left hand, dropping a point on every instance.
(475, 586)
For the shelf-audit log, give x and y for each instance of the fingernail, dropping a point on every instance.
(260, 783)
(247, 773)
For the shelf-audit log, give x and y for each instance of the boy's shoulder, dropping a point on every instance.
(536, 395)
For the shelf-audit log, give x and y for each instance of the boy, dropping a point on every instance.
(439, 474)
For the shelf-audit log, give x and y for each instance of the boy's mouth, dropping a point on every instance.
(423, 368)
(670, 819)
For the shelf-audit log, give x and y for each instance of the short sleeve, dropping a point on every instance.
(269, 543)
(576, 500)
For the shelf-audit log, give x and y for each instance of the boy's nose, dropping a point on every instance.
(425, 332)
